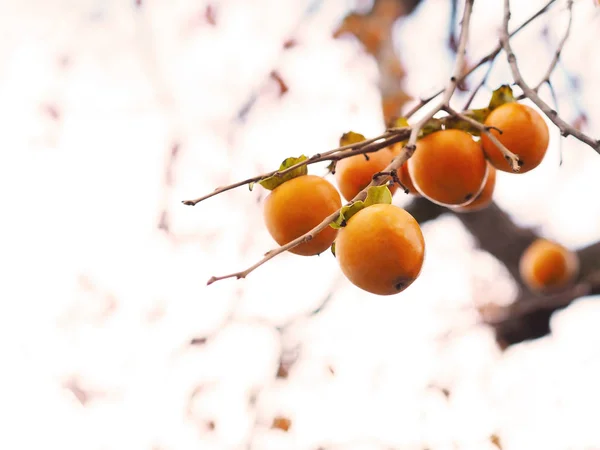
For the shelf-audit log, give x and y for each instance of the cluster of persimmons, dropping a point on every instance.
(379, 246)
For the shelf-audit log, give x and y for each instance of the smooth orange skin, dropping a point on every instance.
(524, 132)
(403, 174)
(355, 173)
(381, 249)
(296, 207)
(484, 198)
(448, 167)
(547, 266)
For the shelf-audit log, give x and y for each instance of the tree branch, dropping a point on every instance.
(554, 63)
(491, 56)
(367, 146)
(528, 317)
(532, 95)
(512, 159)
(396, 163)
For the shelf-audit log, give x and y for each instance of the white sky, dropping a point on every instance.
(84, 194)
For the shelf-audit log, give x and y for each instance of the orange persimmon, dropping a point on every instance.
(296, 207)
(524, 132)
(546, 265)
(355, 173)
(381, 249)
(448, 167)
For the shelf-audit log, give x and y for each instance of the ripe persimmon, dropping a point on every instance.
(403, 174)
(355, 173)
(546, 265)
(381, 249)
(524, 132)
(296, 207)
(484, 198)
(448, 167)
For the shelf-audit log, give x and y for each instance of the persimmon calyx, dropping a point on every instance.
(276, 180)
(504, 94)
(375, 195)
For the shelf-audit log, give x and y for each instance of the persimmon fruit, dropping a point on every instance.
(524, 132)
(448, 167)
(484, 198)
(355, 173)
(297, 206)
(546, 266)
(381, 249)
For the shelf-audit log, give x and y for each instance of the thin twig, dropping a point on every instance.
(363, 147)
(530, 93)
(512, 159)
(480, 84)
(396, 163)
(561, 45)
(491, 56)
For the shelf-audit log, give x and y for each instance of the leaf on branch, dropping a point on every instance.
(272, 182)
(333, 248)
(431, 126)
(375, 195)
(398, 122)
(378, 194)
(502, 95)
(457, 123)
(350, 138)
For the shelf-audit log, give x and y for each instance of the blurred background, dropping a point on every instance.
(113, 112)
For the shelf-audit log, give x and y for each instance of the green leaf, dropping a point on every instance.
(500, 96)
(375, 195)
(400, 122)
(351, 138)
(478, 114)
(251, 185)
(431, 126)
(378, 194)
(333, 248)
(272, 182)
(458, 124)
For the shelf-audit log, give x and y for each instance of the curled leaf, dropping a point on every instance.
(378, 194)
(350, 138)
(251, 186)
(272, 182)
(346, 212)
(375, 195)
(500, 96)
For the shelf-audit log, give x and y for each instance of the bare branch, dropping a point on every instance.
(554, 63)
(396, 163)
(491, 56)
(480, 84)
(367, 146)
(513, 159)
(532, 95)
